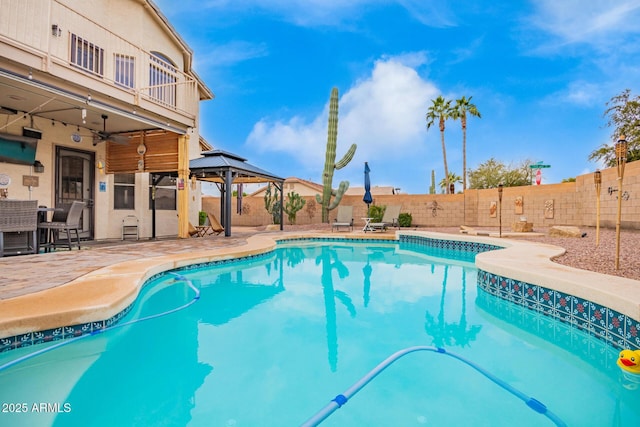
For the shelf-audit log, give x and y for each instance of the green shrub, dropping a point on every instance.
(202, 218)
(376, 212)
(404, 219)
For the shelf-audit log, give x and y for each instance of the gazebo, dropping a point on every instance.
(225, 169)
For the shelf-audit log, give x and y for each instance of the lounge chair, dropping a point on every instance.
(344, 218)
(193, 231)
(389, 219)
(214, 225)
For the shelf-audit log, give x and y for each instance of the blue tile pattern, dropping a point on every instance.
(41, 337)
(594, 319)
(457, 245)
(581, 343)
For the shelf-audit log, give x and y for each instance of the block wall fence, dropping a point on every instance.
(572, 203)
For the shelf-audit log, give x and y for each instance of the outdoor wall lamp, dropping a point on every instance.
(500, 188)
(621, 160)
(38, 167)
(597, 180)
(56, 31)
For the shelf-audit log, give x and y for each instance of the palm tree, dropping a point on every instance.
(440, 111)
(453, 179)
(459, 111)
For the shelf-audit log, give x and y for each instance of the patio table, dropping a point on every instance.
(204, 230)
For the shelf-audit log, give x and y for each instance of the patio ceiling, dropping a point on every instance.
(20, 94)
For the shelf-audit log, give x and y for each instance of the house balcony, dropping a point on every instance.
(48, 43)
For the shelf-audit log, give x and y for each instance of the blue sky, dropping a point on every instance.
(540, 72)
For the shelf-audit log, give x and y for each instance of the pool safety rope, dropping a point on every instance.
(179, 278)
(342, 399)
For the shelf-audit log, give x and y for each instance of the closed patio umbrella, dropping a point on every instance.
(239, 199)
(367, 187)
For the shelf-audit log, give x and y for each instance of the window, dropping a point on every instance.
(165, 195)
(162, 80)
(87, 55)
(124, 69)
(124, 188)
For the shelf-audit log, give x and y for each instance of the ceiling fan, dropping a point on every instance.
(101, 136)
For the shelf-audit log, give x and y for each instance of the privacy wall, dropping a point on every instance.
(572, 203)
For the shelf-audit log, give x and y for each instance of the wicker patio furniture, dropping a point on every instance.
(18, 227)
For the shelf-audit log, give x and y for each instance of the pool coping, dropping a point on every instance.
(100, 297)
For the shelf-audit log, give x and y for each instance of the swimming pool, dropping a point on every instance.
(273, 338)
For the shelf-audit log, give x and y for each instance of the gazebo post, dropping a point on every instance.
(281, 205)
(228, 181)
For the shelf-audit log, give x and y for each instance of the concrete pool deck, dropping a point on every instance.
(45, 291)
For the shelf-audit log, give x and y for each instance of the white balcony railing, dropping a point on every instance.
(83, 44)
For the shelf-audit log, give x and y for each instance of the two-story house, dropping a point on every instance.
(99, 103)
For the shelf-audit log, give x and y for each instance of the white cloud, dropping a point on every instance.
(230, 53)
(594, 22)
(383, 114)
(580, 93)
(433, 13)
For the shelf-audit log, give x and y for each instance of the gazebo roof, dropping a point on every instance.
(215, 163)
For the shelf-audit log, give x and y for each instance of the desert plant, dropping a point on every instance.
(272, 203)
(330, 163)
(202, 218)
(404, 219)
(376, 212)
(432, 187)
(293, 205)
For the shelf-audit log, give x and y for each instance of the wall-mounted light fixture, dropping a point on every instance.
(38, 167)
(56, 31)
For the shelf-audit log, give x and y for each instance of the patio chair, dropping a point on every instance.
(193, 231)
(344, 218)
(214, 225)
(389, 219)
(70, 223)
(130, 227)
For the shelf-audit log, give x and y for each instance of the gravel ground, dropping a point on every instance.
(580, 252)
(583, 252)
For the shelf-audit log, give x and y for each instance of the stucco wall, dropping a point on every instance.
(572, 203)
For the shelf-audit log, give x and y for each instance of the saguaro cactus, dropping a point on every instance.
(432, 188)
(330, 163)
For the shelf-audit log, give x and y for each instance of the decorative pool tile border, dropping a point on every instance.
(336, 240)
(537, 325)
(457, 245)
(594, 319)
(40, 337)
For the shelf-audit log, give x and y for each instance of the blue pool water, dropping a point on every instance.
(273, 339)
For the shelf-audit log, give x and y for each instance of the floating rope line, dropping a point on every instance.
(341, 399)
